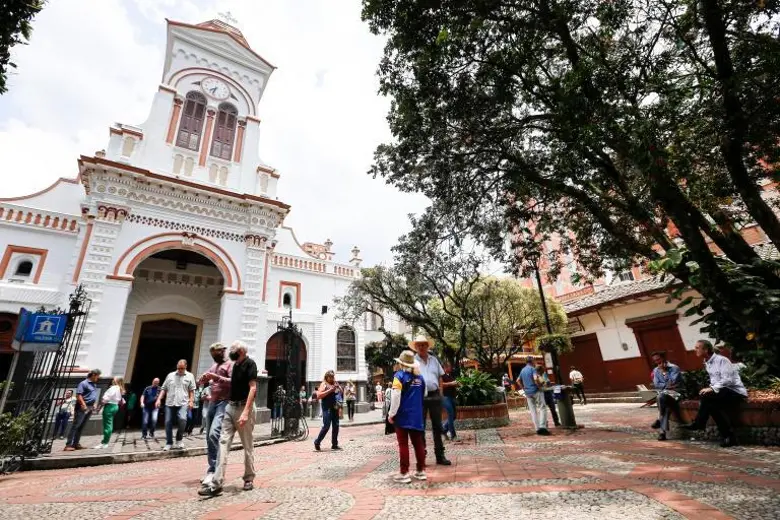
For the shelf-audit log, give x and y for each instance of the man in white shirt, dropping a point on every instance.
(380, 394)
(178, 393)
(576, 378)
(431, 371)
(725, 392)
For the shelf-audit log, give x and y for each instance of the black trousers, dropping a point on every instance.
(717, 405)
(580, 391)
(432, 407)
(350, 408)
(549, 400)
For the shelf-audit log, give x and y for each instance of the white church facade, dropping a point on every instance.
(177, 235)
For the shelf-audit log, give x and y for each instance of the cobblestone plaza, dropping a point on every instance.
(612, 468)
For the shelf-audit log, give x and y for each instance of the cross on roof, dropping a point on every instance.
(227, 17)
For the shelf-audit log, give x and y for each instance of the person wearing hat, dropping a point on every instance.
(406, 414)
(218, 377)
(432, 372)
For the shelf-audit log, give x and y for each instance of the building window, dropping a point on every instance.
(24, 268)
(191, 124)
(346, 355)
(626, 276)
(287, 300)
(222, 143)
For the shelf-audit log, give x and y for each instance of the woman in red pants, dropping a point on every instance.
(406, 414)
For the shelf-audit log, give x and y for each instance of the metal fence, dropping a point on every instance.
(291, 422)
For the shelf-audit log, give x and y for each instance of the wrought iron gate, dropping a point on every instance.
(291, 423)
(43, 386)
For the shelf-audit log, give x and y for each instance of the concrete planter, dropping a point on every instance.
(516, 402)
(755, 422)
(479, 417)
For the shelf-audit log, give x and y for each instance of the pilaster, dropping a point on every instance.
(253, 292)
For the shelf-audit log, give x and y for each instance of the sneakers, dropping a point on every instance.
(420, 475)
(402, 478)
(167, 447)
(210, 491)
(249, 485)
(206, 481)
(99, 446)
(178, 445)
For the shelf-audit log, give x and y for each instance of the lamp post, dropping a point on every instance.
(565, 408)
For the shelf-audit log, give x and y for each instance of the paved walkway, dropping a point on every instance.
(611, 469)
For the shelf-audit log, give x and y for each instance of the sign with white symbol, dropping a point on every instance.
(38, 332)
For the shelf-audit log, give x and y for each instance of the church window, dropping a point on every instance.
(224, 133)
(24, 268)
(191, 124)
(287, 300)
(346, 354)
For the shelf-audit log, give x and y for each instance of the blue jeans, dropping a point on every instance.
(449, 405)
(80, 418)
(329, 417)
(61, 423)
(216, 413)
(148, 420)
(180, 413)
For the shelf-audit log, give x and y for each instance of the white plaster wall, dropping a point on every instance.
(614, 332)
(61, 251)
(63, 197)
(158, 298)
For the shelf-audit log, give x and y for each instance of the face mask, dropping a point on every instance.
(219, 357)
(233, 355)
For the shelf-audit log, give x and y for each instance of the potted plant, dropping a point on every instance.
(480, 403)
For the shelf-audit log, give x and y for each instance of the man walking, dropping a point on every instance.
(149, 409)
(726, 391)
(86, 399)
(178, 393)
(239, 418)
(576, 378)
(534, 396)
(218, 378)
(432, 372)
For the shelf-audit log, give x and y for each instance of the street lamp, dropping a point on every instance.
(565, 408)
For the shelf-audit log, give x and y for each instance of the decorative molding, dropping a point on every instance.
(174, 122)
(255, 241)
(10, 250)
(40, 219)
(83, 252)
(180, 226)
(112, 213)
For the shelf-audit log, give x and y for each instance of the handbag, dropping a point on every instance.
(389, 427)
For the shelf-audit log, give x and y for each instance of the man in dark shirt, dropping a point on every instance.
(449, 395)
(86, 399)
(148, 409)
(239, 418)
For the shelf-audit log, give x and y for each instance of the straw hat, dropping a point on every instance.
(406, 359)
(419, 339)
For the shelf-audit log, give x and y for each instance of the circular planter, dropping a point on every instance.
(479, 417)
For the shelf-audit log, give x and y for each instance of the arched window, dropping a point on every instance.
(191, 124)
(24, 268)
(287, 300)
(224, 132)
(346, 354)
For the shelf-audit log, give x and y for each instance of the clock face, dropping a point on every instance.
(215, 88)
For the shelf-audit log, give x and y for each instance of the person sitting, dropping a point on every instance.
(725, 392)
(667, 380)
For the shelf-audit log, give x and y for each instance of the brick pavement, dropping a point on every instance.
(613, 468)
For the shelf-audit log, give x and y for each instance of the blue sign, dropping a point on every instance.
(39, 329)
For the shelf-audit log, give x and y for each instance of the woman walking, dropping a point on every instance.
(110, 404)
(326, 394)
(406, 414)
(350, 394)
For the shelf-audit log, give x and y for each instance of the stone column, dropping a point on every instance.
(253, 295)
(230, 317)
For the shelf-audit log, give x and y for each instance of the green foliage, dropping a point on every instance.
(477, 388)
(558, 342)
(693, 381)
(15, 28)
(382, 354)
(601, 125)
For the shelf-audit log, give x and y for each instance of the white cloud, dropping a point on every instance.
(322, 117)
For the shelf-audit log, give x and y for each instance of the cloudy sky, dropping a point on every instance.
(94, 62)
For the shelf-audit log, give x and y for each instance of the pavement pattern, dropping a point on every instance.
(611, 469)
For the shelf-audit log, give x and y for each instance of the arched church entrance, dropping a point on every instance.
(277, 362)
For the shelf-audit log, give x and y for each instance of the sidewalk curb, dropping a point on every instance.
(58, 462)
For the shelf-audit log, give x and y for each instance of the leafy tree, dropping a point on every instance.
(630, 128)
(15, 28)
(382, 354)
(503, 316)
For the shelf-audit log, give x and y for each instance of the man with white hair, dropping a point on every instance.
(239, 418)
(432, 372)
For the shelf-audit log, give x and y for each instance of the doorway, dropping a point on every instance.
(277, 366)
(661, 333)
(586, 356)
(159, 342)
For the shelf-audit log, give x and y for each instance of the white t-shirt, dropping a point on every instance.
(576, 376)
(113, 395)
